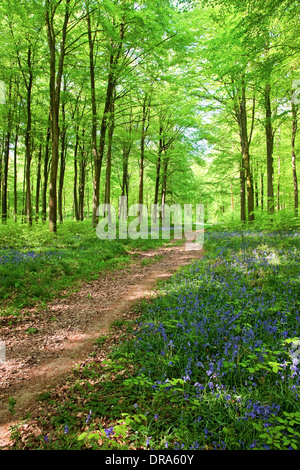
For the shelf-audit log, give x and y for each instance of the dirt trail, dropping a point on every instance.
(44, 348)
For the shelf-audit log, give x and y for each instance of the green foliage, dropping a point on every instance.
(44, 264)
(11, 404)
(191, 59)
(101, 340)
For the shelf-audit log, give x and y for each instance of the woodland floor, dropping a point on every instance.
(63, 334)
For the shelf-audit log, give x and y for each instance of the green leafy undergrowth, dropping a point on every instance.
(36, 265)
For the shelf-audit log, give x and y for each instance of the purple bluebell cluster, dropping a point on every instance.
(109, 431)
(221, 326)
(16, 257)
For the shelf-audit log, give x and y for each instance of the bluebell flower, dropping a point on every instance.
(88, 417)
(109, 432)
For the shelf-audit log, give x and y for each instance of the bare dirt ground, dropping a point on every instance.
(42, 349)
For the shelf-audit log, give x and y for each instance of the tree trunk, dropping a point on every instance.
(278, 184)
(269, 142)
(295, 181)
(103, 129)
(109, 155)
(38, 184)
(81, 190)
(62, 165)
(55, 88)
(125, 176)
(5, 178)
(256, 193)
(249, 182)
(142, 155)
(111, 84)
(256, 186)
(158, 165)
(45, 177)
(76, 209)
(127, 144)
(82, 168)
(262, 190)
(164, 182)
(242, 192)
(1, 169)
(16, 176)
(241, 115)
(6, 160)
(28, 142)
(96, 155)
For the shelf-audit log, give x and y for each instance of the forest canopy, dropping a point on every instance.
(160, 101)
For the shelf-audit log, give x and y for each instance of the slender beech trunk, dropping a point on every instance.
(295, 181)
(97, 156)
(82, 177)
(45, 176)
(241, 116)
(125, 159)
(76, 209)
(278, 184)
(242, 191)
(55, 89)
(38, 184)
(125, 175)
(158, 168)
(28, 81)
(6, 160)
(270, 144)
(28, 140)
(123, 209)
(103, 129)
(262, 190)
(1, 168)
(246, 156)
(16, 175)
(62, 163)
(256, 188)
(164, 181)
(111, 124)
(145, 116)
(158, 164)
(5, 178)
(111, 84)
(23, 192)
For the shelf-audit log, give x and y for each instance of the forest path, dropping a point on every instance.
(43, 348)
